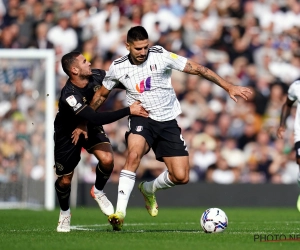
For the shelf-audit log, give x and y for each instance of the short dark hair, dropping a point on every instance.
(67, 60)
(137, 33)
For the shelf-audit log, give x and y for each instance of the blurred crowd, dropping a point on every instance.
(253, 43)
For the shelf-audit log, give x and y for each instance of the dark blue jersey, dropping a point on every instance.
(74, 99)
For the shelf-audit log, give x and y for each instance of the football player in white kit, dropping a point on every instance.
(146, 75)
(292, 96)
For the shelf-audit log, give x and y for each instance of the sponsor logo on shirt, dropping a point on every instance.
(174, 56)
(77, 106)
(71, 100)
(144, 85)
(139, 128)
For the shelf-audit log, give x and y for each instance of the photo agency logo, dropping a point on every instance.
(275, 237)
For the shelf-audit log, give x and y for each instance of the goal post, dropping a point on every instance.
(48, 57)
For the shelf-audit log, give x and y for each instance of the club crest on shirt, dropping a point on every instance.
(71, 100)
(59, 166)
(153, 67)
(97, 87)
(139, 128)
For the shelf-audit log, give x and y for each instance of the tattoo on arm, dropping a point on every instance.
(202, 71)
(97, 103)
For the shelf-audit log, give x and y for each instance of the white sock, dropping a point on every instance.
(126, 184)
(298, 179)
(161, 182)
(65, 212)
(96, 191)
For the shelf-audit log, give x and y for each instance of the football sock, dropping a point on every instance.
(298, 179)
(101, 177)
(126, 184)
(63, 195)
(96, 191)
(65, 212)
(161, 182)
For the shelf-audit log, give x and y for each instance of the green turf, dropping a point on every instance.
(173, 228)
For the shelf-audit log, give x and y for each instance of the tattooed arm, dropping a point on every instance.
(194, 68)
(99, 97)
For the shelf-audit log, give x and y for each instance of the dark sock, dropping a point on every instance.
(63, 196)
(101, 177)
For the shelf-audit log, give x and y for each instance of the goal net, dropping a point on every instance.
(27, 106)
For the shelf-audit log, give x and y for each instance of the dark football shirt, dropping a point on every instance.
(73, 100)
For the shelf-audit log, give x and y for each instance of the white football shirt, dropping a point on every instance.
(294, 95)
(149, 82)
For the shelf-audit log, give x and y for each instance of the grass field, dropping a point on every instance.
(173, 228)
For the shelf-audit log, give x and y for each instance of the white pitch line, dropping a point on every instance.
(188, 223)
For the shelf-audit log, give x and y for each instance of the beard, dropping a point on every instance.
(85, 76)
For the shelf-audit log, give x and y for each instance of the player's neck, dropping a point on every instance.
(134, 62)
(80, 83)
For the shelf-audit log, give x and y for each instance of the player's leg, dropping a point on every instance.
(104, 153)
(177, 174)
(67, 156)
(63, 191)
(137, 147)
(170, 148)
(297, 149)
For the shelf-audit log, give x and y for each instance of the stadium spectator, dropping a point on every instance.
(63, 37)
(220, 172)
(41, 41)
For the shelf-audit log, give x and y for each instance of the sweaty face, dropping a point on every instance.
(84, 67)
(138, 51)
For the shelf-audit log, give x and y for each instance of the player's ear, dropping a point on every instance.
(127, 46)
(74, 70)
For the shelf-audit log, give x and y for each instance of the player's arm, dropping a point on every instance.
(99, 97)
(194, 68)
(285, 112)
(90, 115)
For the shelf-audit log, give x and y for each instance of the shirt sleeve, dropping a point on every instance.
(110, 80)
(98, 75)
(174, 61)
(293, 89)
(102, 118)
(74, 102)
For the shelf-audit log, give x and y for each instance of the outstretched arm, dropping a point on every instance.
(285, 112)
(99, 97)
(194, 68)
(89, 115)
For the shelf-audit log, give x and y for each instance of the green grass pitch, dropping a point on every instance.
(173, 228)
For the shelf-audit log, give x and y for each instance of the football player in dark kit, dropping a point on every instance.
(74, 111)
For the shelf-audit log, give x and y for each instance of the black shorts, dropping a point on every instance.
(163, 137)
(67, 155)
(297, 149)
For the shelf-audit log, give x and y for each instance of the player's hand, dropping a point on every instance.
(81, 129)
(137, 109)
(243, 92)
(280, 132)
